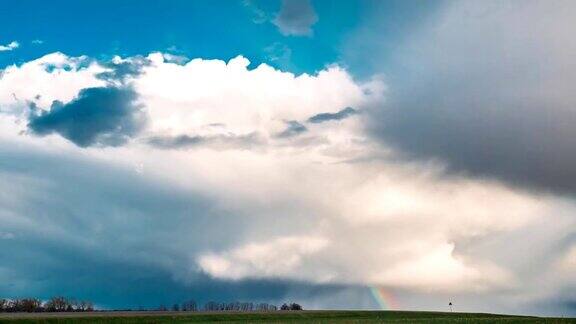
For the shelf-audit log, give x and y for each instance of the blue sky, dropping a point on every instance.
(300, 150)
(204, 29)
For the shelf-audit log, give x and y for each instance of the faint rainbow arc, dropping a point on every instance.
(385, 299)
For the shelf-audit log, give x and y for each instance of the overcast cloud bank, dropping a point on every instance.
(448, 178)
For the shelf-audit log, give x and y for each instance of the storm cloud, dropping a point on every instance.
(69, 244)
(103, 116)
(487, 88)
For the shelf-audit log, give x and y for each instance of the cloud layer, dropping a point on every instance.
(254, 178)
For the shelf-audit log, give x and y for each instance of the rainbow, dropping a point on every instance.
(384, 298)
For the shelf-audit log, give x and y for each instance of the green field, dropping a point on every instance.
(277, 317)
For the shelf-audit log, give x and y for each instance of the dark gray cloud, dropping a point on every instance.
(293, 128)
(491, 104)
(525, 143)
(296, 17)
(124, 239)
(324, 117)
(562, 304)
(180, 141)
(121, 71)
(106, 116)
(221, 141)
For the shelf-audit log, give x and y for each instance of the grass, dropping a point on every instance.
(277, 317)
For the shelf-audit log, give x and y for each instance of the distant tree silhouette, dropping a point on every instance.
(84, 306)
(292, 306)
(63, 304)
(189, 306)
(210, 306)
(295, 306)
(3, 305)
(58, 304)
(54, 304)
(30, 305)
(265, 307)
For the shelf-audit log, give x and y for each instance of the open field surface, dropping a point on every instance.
(276, 317)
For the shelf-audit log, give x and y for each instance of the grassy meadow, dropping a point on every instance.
(276, 317)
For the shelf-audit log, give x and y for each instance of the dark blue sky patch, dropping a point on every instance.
(324, 117)
(106, 116)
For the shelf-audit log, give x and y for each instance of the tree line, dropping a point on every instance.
(212, 306)
(54, 304)
(63, 304)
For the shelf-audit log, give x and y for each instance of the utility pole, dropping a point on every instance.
(450, 305)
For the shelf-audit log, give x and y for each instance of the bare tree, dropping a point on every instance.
(57, 304)
(189, 306)
(30, 305)
(4, 305)
(54, 304)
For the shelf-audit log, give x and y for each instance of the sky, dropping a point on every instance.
(339, 154)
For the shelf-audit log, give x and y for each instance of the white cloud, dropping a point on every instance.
(325, 206)
(439, 268)
(9, 47)
(52, 77)
(567, 261)
(282, 257)
(208, 92)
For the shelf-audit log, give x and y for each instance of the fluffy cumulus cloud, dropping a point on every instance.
(208, 174)
(281, 257)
